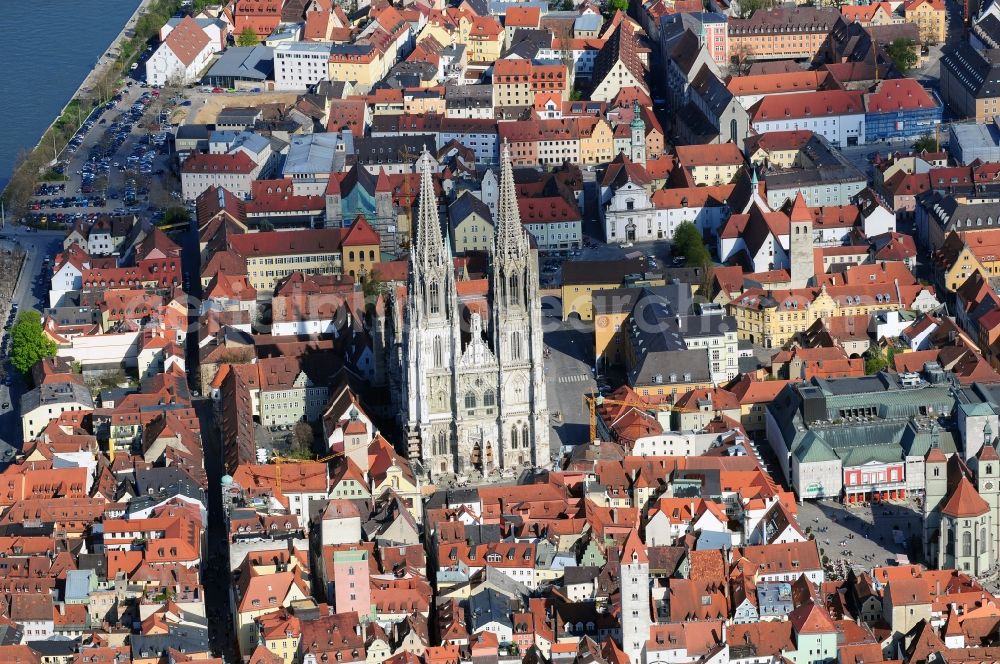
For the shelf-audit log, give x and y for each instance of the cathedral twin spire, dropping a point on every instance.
(510, 238)
(511, 241)
(429, 251)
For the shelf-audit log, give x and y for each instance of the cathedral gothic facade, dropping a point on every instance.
(466, 355)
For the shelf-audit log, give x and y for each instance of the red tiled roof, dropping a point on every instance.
(360, 233)
(546, 209)
(523, 17)
(900, 94)
(281, 243)
(187, 40)
(810, 618)
(965, 501)
(864, 13)
(709, 155)
(936, 5)
(807, 105)
(766, 84)
(238, 162)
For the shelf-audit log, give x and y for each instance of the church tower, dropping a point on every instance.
(431, 332)
(935, 490)
(987, 466)
(802, 267)
(470, 364)
(633, 570)
(517, 331)
(638, 128)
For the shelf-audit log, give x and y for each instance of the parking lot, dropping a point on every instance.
(863, 536)
(118, 162)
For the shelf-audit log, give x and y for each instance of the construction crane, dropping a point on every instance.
(279, 460)
(592, 401)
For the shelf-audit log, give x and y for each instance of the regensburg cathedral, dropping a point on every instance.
(466, 355)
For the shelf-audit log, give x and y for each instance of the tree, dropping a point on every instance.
(748, 7)
(903, 53)
(176, 215)
(740, 60)
(29, 343)
(373, 286)
(248, 37)
(877, 359)
(688, 243)
(925, 143)
(303, 438)
(615, 6)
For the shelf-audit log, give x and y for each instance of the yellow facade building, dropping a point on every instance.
(773, 318)
(272, 256)
(597, 141)
(360, 249)
(930, 18)
(350, 62)
(580, 279)
(963, 255)
(711, 165)
(483, 36)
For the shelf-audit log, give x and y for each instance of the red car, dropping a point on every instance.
(218, 90)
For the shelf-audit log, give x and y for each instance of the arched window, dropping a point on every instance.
(524, 437)
(351, 256)
(489, 399)
(371, 256)
(438, 353)
(515, 345)
(513, 437)
(435, 299)
(470, 400)
(966, 544)
(732, 130)
(515, 296)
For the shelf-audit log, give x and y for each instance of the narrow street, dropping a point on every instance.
(215, 573)
(31, 292)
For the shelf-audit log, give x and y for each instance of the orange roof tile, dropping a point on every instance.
(965, 501)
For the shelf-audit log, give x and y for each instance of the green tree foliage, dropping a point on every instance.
(903, 53)
(303, 439)
(176, 215)
(877, 359)
(748, 7)
(29, 344)
(925, 143)
(248, 37)
(373, 286)
(614, 6)
(689, 244)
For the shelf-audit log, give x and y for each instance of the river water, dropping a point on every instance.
(47, 48)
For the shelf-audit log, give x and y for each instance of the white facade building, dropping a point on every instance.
(182, 55)
(836, 115)
(298, 65)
